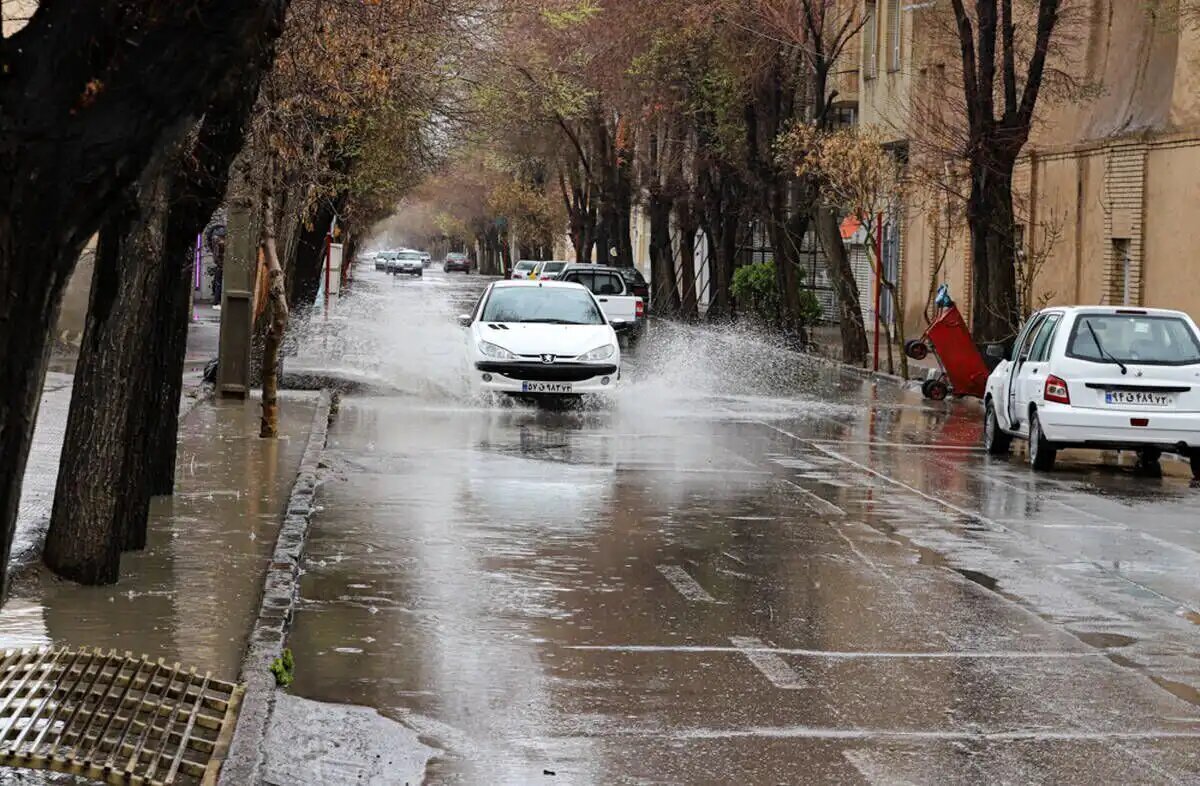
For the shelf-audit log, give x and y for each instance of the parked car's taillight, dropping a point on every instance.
(641, 307)
(1056, 390)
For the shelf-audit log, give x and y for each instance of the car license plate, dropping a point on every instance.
(546, 387)
(1140, 398)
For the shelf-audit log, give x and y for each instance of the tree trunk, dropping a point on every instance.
(278, 307)
(98, 510)
(196, 193)
(662, 257)
(155, 69)
(685, 221)
(995, 309)
(850, 318)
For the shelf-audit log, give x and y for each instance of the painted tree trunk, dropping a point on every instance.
(662, 258)
(277, 326)
(850, 318)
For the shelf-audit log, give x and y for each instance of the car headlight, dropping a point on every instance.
(599, 353)
(495, 352)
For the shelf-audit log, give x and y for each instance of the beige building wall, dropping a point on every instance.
(1106, 190)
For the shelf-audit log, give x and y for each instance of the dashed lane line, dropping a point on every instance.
(773, 667)
(688, 587)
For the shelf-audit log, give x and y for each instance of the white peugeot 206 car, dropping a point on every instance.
(1099, 377)
(541, 338)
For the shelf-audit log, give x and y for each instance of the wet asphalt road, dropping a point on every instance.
(751, 568)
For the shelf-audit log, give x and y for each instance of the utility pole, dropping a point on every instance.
(237, 296)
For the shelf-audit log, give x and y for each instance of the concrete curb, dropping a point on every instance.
(882, 376)
(244, 763)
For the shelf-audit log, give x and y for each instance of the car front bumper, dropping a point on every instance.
(512, 376)
(1074, 426)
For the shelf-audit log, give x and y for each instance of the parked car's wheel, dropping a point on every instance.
(1195, 459)
(1042, 452)
(916, 349)
(1148, 462)
(995, 441)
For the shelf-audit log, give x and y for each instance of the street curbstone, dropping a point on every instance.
(244, 763)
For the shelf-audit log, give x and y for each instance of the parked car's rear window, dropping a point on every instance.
(1134, 338)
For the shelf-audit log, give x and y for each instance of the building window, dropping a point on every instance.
(893, 34)
(1123, 273)
(869, 33)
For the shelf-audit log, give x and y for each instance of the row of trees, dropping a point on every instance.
(135, 121)
(584, 108)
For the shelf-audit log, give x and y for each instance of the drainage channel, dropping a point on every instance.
(113, 717)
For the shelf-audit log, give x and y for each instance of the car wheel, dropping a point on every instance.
(1149, 464)
(995, 441)
(1195, 460)
(1042, 452)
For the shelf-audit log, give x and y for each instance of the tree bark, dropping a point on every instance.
(995, 309)
(278, 307)
(685, 221)
(73, 153)
(662, 257)
(97, 512)
(197, 190)
(850, 318)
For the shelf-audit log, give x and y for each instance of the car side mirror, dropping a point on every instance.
(465, 320)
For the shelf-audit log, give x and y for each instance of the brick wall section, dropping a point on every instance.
(1124, 219)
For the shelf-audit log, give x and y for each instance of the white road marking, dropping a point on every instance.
(734, 557)
(819, 733)
(688, 587)
(818, 502)
(905, 445)
(971, 515)
(769, 663)
(758, 646)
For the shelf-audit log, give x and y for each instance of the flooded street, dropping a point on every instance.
(752, 567)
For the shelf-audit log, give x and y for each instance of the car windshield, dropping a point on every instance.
(411, 256)
(455, 256)
(549, 305)
(1134, 338)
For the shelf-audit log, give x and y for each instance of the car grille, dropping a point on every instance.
(546, 372)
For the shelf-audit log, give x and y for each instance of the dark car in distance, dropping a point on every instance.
(456, 260)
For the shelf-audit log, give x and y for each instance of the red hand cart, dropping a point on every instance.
(963, 371)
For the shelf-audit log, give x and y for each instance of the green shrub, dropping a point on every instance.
(757, 292)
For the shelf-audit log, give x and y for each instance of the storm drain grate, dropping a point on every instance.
(113, 717)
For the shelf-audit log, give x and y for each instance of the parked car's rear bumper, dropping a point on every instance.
(1073, 426)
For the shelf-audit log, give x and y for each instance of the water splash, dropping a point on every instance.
(400, 336)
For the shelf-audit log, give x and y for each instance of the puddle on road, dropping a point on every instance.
(192, 594)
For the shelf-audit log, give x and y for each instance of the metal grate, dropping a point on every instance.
(113, 717)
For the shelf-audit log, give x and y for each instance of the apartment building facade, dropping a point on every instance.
(1105, 188)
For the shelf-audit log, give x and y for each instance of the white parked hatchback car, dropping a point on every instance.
(541, 338)
(1099, 377)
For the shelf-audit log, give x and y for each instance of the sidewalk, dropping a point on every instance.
(193, 593)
